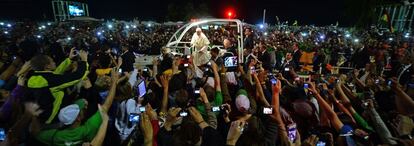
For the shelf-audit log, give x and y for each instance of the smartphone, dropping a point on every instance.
(215, 108)
(142, 90)
(142, 109)
(230, 61)
(183, 113)
(133, 117)
(389, 83)
(267, 110)
(377, 81)
(292, 132)
(306, 85)
(2, 134)
(188, 56)
(185, 64)
(287, 69)
(120, 70)
(274, 81)
(145, 69)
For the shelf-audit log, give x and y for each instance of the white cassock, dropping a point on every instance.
(200, 44)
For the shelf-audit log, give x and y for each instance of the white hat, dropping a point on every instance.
(68, 114)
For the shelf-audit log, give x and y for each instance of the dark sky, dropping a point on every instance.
(318, 12)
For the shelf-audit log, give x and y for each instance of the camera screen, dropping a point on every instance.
(230, 61)
(215, 108)
(142, 109)
(321, 143)
(306, 86)
(197, 91)
(292, 133)
(2, 134)
(267, 110)
(183, 114)
(287, 69)
(134, 117)
(142, 90)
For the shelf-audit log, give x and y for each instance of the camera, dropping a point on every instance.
(183, 113)
(306, 85)
(197, 91)
(267, 110)
(134, 117)
(215, 108)
(142, 109)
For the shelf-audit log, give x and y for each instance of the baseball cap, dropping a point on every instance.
(242, 101)
(68, 114)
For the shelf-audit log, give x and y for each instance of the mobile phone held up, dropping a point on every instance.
(134, 117)
(267, 110)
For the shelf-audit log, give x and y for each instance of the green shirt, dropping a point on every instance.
(72, 136)
(217, 102)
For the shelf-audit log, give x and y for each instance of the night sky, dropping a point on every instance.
(318, 12)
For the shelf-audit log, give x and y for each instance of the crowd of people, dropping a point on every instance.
(304, 85)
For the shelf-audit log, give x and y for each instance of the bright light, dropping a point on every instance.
(261, 26)
(1, 23)
(287, 32)
(109, 26)
(229, 14)
(406, 36)
(265, 33)
(347, 35)
(322, 37)
(149, 25)
(49, 23)
(6, 32)
(99, 33)
(390, 39)
(304, 34)
(127, 26)
(43, 26)
(356, 40)
(40, 28)
(38, 36)
(103, 31)
(69, 38)
(73, 28)
(9, 25)
(134, 26)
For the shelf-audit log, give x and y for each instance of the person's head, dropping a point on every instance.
(226, 43)
(295, 46)
(165, 50)
(288, 56)
(123, 91)
(247, 31)
(242, 101)
(189, 134)
(181, 98)
(210, 92)
(73, 114)
(254, 134)
(214, 52)
(42, 63)
(198, 31)
(103, 83)
(262, 46)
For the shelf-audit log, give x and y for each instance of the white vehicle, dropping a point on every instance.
(180, 44)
